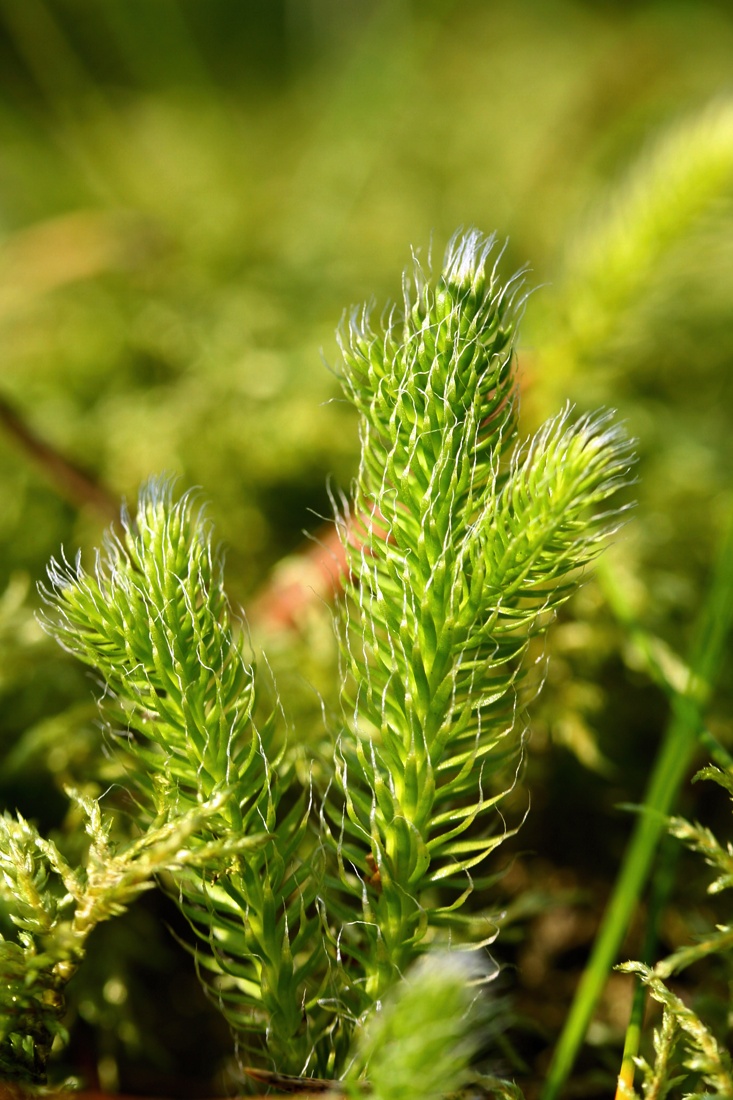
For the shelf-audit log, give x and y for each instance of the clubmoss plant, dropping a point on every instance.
(688, 1058)
(461, 544)
(409, 1048)
(154, 620)
(53, 907)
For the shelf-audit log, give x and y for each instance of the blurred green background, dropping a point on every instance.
(193, 191)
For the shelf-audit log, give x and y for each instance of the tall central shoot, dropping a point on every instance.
(460, 545)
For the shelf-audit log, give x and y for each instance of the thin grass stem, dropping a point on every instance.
(661, 888)
(671, 766)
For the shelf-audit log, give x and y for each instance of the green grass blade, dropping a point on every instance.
(664, 875)
(671, 766)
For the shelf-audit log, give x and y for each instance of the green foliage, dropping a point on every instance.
(625, 297)
(153, 618)
(666, 198)
(31, 1007)
(461, 546)
(186, 193)
(422, 1040)
(155, 621)
(705, 1062)
(53, 907)
(704, 1057)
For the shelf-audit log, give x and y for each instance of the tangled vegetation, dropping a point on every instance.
(385, 854)
(460, 544)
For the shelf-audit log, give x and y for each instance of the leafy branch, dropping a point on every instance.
(460, 545)
(705, 1058)
(54, 907)
(458, 554)
(154, 619)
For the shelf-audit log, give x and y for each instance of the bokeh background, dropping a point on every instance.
(191, 194)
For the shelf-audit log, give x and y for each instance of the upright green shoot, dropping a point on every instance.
(461, 544)
(154, 619)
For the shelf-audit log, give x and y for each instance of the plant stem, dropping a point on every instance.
(661, 889)
(625, 1084)
(672, 763)
(69, 479)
